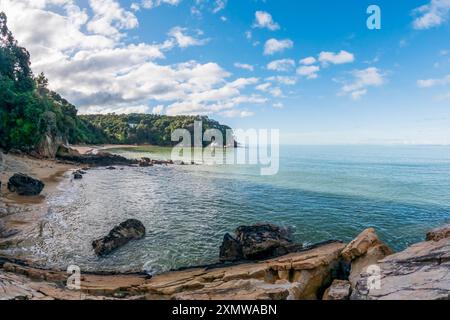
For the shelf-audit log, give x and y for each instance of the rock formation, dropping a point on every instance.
(122, 234)
(261, 241)
(101, 159)
(339, 290)
(439, 233)
(24, 185)
(421, 272)
(364, 251)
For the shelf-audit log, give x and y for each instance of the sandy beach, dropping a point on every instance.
(22, 216)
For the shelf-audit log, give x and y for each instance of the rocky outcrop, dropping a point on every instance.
(439, 233)
(339, 290)
(101, 159)
(24, 185)
(64, 151)
(261, 241)
(421, 272)
(122, 234)
(362, 252)
(49, 145)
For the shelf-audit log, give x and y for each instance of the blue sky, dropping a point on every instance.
(309, 68)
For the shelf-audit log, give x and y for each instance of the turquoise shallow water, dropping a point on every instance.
(327, 192)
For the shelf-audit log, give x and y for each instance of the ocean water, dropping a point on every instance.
(322, 192)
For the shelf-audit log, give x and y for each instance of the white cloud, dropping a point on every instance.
(268, 88)
(183, 40)
(431, 15)
(100, 73)
(336, 58)
(237, 113)
(150, 4)
(158, 109)
(288, 81)
(220, 5)
(264, 20)
(273, 46)
(109, 18)
(443, 97)
(281, 65)
(309, 72)
(308, 61)
(244, 66)
(434, 82)
(278, 105)
(363, 79)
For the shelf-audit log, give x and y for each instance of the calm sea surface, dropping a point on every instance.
(331, 192)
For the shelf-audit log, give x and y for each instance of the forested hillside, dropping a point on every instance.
(32, 117)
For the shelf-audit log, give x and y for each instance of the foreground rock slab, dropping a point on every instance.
(298, 275)
(421, 272)
(122, 234)
(24, 185)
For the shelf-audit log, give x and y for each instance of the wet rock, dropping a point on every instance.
(339, 290)
(363, 252)
(111, 168)
(145, 162)
(101, 159)
(24, 185)
(439, 233)
(261, 241)
(231, 249)
(122, 234)
(77, 175)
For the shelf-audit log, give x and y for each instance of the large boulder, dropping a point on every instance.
(421, 272)
(231, 249)
(363, 252)
(257, 242)
(25, 185)
(122, 234)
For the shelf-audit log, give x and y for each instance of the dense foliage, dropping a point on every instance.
(29, 111)
(147, 128)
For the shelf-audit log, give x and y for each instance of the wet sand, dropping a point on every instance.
(21, 217)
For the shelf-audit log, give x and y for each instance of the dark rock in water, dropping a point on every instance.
(122, 234)
(111, 168)
(77, 175)
(231, 249)
(24, 185)
(101, 159)
(258, 242)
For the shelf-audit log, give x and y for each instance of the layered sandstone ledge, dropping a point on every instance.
(330, 271)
